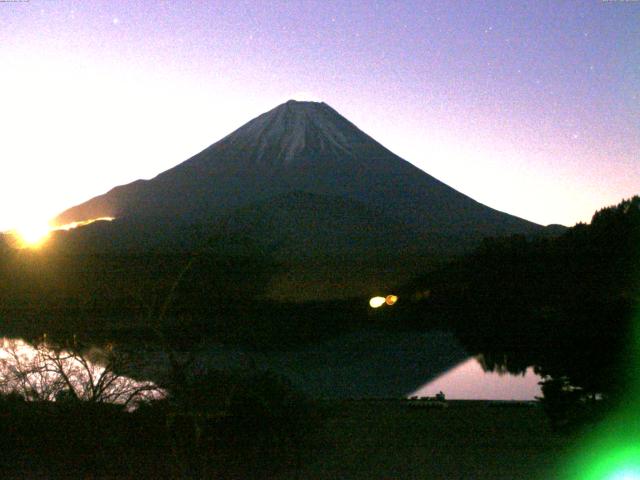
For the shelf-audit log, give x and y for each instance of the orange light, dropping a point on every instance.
(34, 234)
(31, 234)
(377, 302)
(72, 225)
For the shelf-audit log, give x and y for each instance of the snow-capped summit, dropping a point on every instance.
(295, 127)
(293, 131)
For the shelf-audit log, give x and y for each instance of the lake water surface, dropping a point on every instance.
(468, 381)
(363, 365)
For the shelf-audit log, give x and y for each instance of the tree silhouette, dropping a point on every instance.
(563, 305)
(46, 373)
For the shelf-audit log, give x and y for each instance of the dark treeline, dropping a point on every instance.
(185, 296)
(564, 305)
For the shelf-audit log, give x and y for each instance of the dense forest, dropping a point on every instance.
(564, 305)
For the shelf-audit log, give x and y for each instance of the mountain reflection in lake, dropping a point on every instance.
(468, 381)
(44, 373)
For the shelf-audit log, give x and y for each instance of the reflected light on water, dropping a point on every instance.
(468, 381)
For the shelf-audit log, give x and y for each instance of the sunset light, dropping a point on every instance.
(34, 234)
(407, 232)
(31, 234)
(72, 225)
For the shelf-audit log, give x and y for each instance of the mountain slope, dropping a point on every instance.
(301, 147)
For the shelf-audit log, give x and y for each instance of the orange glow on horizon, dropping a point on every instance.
(72, 225)
(34, 234)
(31, 234)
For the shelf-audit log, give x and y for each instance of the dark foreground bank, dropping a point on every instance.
(466, 440)
(356, 439)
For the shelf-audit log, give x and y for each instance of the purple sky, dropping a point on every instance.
(532, 107)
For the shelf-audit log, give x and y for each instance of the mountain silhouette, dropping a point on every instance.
(305, 184)
(299, 147)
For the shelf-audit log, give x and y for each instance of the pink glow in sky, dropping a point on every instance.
(531, 107)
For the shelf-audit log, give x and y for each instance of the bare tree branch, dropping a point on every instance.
(44, 372)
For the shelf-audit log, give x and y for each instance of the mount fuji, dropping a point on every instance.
(320, 216)
(304, 182)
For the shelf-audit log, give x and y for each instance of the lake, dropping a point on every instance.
(468, 381)
(371, 364)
